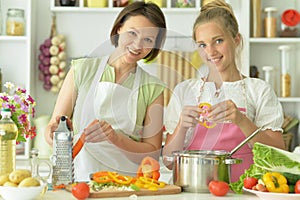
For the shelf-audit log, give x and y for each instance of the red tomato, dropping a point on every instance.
(81, 190)
(249, 182)
(218, 188)
(297, 187)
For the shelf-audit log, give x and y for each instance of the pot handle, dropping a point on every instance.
(168, 158)
(230, 161)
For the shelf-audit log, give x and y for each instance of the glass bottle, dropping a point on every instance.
(35, 164)
(15, 22)
(269, 77)
(270, 22)
(285, 75)
(256, 22)
(8, 137)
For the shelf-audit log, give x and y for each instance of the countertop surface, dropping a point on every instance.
(65, 195)
(62, 194)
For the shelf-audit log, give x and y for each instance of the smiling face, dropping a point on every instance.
(216, 47)
(137, 38)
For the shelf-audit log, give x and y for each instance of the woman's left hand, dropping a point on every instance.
(99, 131)
(225, 111)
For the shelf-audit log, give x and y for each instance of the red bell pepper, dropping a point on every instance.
(149, 168)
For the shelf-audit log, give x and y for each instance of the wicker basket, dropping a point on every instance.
(288, 137)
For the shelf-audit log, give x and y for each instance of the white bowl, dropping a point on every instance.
(24, 193)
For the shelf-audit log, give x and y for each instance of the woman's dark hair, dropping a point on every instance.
(152, 12)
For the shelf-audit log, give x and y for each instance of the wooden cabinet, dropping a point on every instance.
(17, 52)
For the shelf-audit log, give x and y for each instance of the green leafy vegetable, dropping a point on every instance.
(254, 171)
(274, 159)
(270, 159)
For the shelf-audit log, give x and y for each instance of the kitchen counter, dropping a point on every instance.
(62, 194)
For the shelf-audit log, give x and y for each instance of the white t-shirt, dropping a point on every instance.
(257, 96)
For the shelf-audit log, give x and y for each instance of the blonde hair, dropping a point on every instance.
(221, 13)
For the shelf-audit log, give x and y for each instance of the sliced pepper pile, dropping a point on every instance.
(136, 183)
(112, 177)
(149, 183)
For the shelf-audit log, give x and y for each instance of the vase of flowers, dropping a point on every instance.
(22, 109)
(16, 109)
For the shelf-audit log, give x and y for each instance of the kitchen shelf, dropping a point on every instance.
(275, 40)
(13, 38)
(59, 9)
(82, 7)
(289, 99)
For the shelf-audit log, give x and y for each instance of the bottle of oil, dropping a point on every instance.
(8, 137)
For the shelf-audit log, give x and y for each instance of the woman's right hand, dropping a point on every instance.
(52, 126)
(189, 116)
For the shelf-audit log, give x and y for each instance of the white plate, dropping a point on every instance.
(273, 195)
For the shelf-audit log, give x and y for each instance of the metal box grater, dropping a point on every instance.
(62, 154)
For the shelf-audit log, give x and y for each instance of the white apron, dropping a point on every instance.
(118, 106)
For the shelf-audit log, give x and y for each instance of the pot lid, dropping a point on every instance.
(290, 17)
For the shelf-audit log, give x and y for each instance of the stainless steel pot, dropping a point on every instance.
(194, 169)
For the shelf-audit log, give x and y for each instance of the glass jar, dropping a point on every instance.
(270, 22)
(67, 2)
(269, 76)
(289, 23)
(15, 22)
(285, 71)
(256, 22)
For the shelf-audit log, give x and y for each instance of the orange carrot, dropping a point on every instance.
(78, 146)
(58, 187)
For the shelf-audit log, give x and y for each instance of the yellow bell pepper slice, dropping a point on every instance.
(206, 123)
(275, 182)
(149, 182)
(121, 179)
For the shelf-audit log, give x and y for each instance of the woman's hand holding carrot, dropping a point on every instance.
(99, 131)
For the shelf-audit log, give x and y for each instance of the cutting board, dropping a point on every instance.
(168, 189)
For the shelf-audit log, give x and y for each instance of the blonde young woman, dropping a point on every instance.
(233, 105)
(113, 101)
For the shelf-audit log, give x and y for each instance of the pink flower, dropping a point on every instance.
(22, 107)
